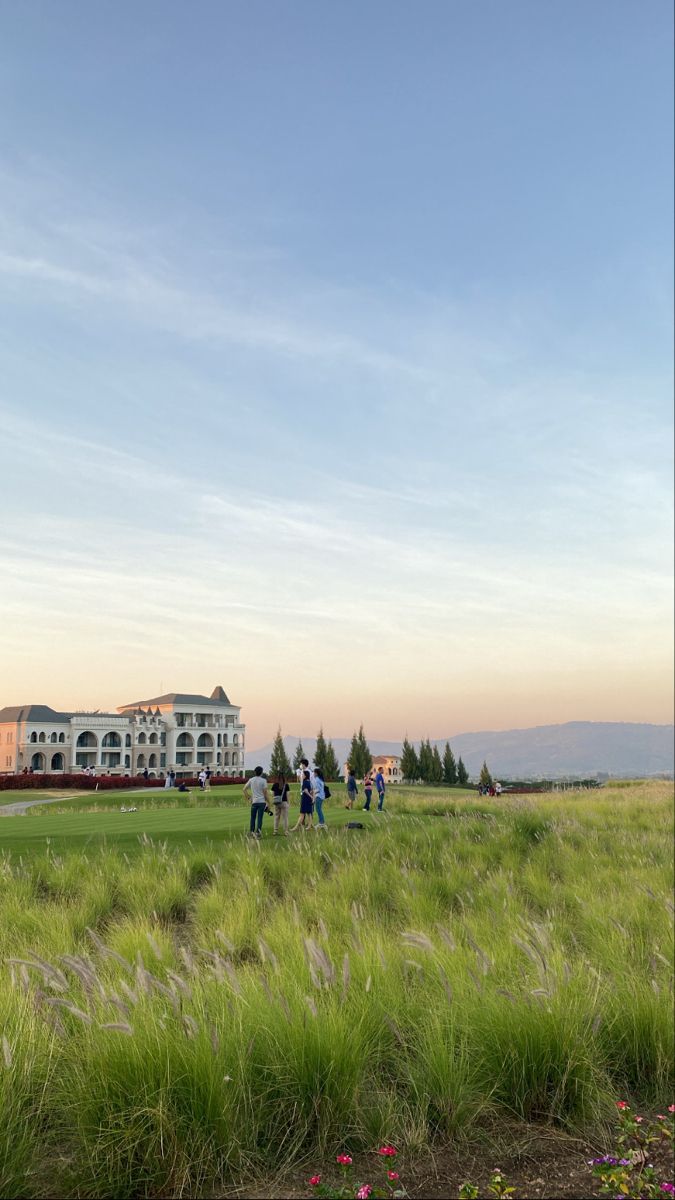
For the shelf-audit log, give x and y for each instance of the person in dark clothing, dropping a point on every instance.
(306, 804)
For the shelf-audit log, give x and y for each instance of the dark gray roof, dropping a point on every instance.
(217, 697)
(31, 712)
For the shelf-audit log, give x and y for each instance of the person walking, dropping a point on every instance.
(256, 787)
(367, 791)
(306, 804)
(202, 779)
(352, 789)
(379, 784)
(281, 803)
(319, 795)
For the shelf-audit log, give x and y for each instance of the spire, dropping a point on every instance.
(219, 695)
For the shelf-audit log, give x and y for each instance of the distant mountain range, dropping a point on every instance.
(582, 749)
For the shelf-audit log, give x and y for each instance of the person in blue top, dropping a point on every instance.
(379, 785)
(319, 795)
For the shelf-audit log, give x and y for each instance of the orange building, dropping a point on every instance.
(390, 766)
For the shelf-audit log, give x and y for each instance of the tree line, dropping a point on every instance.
(425, 765)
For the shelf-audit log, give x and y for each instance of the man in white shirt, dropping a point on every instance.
(300, 773)
(256, 787)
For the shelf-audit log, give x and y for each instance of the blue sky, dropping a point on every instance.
(336, 359)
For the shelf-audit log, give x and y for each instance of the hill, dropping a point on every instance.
(577, 748)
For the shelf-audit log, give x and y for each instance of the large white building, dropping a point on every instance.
(177, 731)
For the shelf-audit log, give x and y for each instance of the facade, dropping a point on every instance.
(178, 731)
(390, 766)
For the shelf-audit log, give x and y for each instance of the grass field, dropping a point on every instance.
(182, 1008)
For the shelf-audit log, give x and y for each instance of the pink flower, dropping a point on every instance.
(387, 1151)
(638, 1120)
(393, 1175)
(671, 1108)
(314, 1181)
(364, 1192)
(344, 1160)
(621, 1104)
(660, 1117)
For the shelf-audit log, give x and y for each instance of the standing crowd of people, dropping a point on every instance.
(313, 792)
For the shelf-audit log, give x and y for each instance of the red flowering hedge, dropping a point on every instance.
(90, 783)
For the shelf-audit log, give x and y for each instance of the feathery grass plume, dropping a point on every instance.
(6, 1052)
(108, 952)
(346, 976)
(118, 1027)
(311, 1006)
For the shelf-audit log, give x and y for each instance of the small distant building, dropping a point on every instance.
(388, 764)
(179, 731)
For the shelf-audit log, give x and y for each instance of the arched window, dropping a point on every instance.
(141, 739)
(62, 737)
(42, 738)
(225, 739)
(87, 739)
(53, 738)
(235, 739)
(218, 758)
(37, 762)
(57, 762)
(153, 739)
(205, 739)
(127, 740)
(33, 736)
(235, 760)
(185, 739)
(152, 761)
(220, 739)
(127, 760)
(140, 761)
(112, 739)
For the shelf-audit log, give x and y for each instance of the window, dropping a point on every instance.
(42, 737)
(127, 742)
(33, 736)
(10, 738)
(152, 761)
(141, 739)
(53, 738)
(112, 739)
(140, 760)
(62, 737)
(235, 740)
(127, 760)
(162, 739)
(153, 739)
(162, 760)
(184, 739)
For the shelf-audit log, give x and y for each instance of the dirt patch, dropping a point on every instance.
(538, 1164)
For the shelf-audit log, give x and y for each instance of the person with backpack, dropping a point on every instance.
(306, 804)
(281, 803)
(352, 789)
(319, 795)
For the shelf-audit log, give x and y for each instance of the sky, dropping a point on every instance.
(336, 360)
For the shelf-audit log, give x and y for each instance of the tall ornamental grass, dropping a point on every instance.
(174, 1021)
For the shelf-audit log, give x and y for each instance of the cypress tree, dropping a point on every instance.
(449, 767)
(462, 773)
(354, 759)
(320, 752)
(299, 754)
(409, 765)
(279, 762)
(436, 767)
(331, 770)
(425, 761)
(485, 779)
(366, 756)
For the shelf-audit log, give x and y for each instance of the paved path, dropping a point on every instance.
(18, 808)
